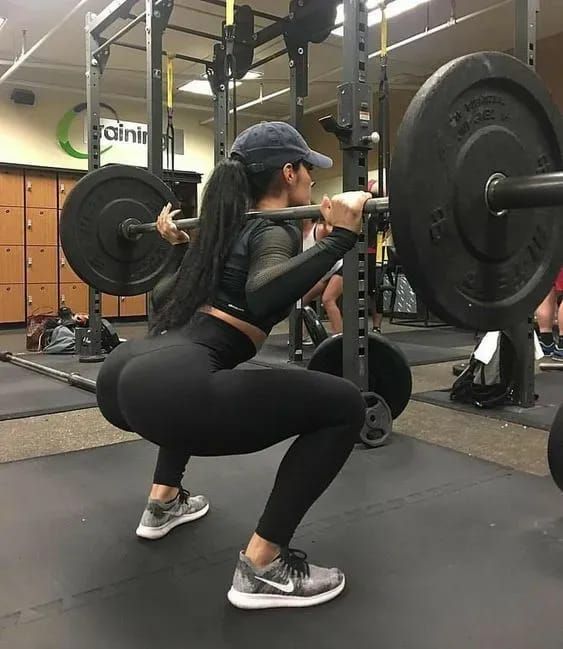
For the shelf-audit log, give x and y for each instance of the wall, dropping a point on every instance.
(28, 133)
(548, 65)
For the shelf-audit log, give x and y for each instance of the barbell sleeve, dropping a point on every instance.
(520, 192)
(374, 205)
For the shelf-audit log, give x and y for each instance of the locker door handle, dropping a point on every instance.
(29, 262)
(29, 224)
(62, 262)
(63, 298)
(29, 185)
(29, 299)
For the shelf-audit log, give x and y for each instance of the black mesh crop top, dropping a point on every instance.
(264, 276)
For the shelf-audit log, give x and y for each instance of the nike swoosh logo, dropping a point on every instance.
(285, 588)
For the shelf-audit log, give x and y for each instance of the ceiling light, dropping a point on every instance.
(394, 8)
(199, 87)
(252, 75)
(202, 87)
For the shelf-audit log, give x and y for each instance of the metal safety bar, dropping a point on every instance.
(119, 34)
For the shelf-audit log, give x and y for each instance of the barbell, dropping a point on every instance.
(474, 187)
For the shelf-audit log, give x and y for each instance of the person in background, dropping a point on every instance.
(545, 316)
(329, 288)
(376, 265)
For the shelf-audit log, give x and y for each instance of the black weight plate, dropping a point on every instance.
(379, 424)
(89, 229)
(110, 337)
(555, 449)
(314, 326)
(312, 22)
(389, 371)
(478, 115)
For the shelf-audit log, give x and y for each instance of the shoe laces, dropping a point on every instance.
(183, 495)
(295, 562)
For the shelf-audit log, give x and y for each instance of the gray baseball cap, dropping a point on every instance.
(271, 145)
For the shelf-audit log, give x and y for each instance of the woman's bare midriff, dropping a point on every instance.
(256, 335)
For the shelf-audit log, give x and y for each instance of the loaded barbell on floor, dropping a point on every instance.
(389, 382)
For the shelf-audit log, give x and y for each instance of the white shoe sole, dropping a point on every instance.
(257, 601)
(153, 533)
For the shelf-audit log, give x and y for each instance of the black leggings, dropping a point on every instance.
(179, 391)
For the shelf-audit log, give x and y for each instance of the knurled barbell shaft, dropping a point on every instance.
(372, 206)
(541, 190)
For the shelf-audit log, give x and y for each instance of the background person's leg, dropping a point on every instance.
(314, 293)
(558, 290)
(330, 298)
(545, 314)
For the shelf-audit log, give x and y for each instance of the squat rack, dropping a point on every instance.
(353, 125)
(156, 16)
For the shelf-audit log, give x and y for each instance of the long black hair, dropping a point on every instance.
(230, 192)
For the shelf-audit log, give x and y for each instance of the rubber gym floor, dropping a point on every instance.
(451, 537)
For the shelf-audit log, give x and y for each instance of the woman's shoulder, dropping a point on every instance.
(264, 224)
(277, 230)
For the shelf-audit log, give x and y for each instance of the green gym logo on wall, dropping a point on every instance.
(63, 130)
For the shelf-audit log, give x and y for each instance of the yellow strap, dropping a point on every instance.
(170, 80)
(230, 19)
(384, 29)
(379, 253)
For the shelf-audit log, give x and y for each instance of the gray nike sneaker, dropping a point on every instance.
(289, 581)
(159, 518)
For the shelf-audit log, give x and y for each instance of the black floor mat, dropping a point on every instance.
(440, 551)
(274, 352)
(549, 388)
(434, 337)
(24, 393)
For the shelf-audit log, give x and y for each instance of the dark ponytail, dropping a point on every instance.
(230, 192)
(225, 201)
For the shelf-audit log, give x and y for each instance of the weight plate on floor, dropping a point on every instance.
(314, 326)
(90, 234)
(379, 422)
(389, 371)
(478, 115)
(110, 337)
(555, 449)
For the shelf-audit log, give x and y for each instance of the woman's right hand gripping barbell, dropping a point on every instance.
(167, 229)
